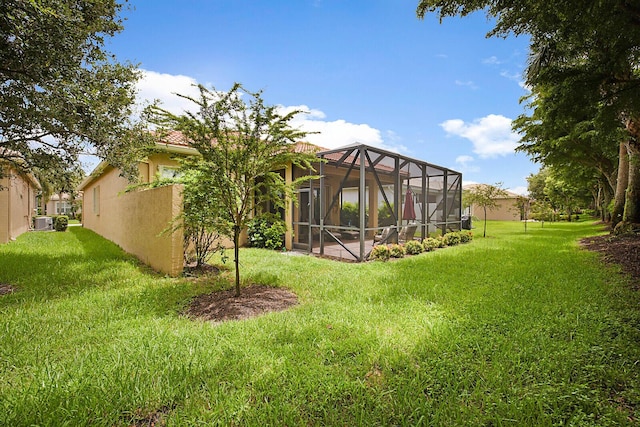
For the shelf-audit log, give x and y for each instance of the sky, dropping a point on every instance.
(363, 71)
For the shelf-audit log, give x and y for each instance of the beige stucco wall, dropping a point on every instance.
(17, 201)
(505, 211)
(135, 220)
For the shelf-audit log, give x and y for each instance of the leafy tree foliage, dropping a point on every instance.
(200, 216)
(242, 146)
(561, 190)
(61, 93)
(486, 196)
(60, 180)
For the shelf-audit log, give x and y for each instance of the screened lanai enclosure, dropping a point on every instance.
(366, 196)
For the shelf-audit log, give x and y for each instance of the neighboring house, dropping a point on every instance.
(55, 206)
(137, 220)
(18, 192)
(506, 209)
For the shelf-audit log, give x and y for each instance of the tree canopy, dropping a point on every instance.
(61, 93)
(242, 146)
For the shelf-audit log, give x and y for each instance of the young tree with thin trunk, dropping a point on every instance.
(242, 147)
(485, 196)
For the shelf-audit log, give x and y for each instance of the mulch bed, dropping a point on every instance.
(623, 250)
(253, 301)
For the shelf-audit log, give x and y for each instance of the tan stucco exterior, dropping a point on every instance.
(136, 220)
(17, 203)
(506, 210)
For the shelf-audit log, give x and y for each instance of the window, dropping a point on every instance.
(96, 200)
(169, 172)
(63, 208)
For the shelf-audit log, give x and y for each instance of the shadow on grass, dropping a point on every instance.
(49, 264)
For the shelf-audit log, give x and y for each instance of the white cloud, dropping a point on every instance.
(464, 160)
(466, 163)
(327, 134)
(523, 191)
(515, 77)
(338, 133)
(491, 136)
(164, 88)
(492, 60)
(468, 84)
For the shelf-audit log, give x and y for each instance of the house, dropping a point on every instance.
(137, 221)
(18, 193)
(506, 209)
(61, 204)
(337, 215)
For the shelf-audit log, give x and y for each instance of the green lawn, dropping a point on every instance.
(510, 330)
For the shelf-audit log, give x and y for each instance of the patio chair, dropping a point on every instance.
(381, 238)
(407, 233)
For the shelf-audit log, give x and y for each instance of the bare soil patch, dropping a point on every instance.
(623, 250)
(253, 301)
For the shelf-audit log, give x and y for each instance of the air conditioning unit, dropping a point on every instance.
(44, 223)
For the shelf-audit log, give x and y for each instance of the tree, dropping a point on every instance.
(486, 196)
(560, 189)
(58, 180)
(583, 50)
(523, 204)
(242, 147)
(61, 93)
(565, 132)
(201, 216)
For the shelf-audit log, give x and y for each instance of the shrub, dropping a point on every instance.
(451, 239)
(61, 222)
(380, 252)
(465, 236)
(396, 250)
(431, 243)
(267, 231)
(413, 248)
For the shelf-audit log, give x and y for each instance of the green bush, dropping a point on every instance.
(451, 239)
(431, 243)
(465, 236)
(413, 247)
(267, 231)
(61, 222)
(385, 215)
(396, 250)
(380, 252)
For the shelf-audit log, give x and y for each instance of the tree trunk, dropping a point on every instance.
(632, 202)
(236, 252)
(484, 234)
(621, 186)
(607, 197)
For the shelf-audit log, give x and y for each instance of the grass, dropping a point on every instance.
(513, 329)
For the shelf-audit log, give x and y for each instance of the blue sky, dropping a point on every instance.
(365, 71)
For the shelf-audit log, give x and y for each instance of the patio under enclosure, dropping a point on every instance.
(367, 196)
